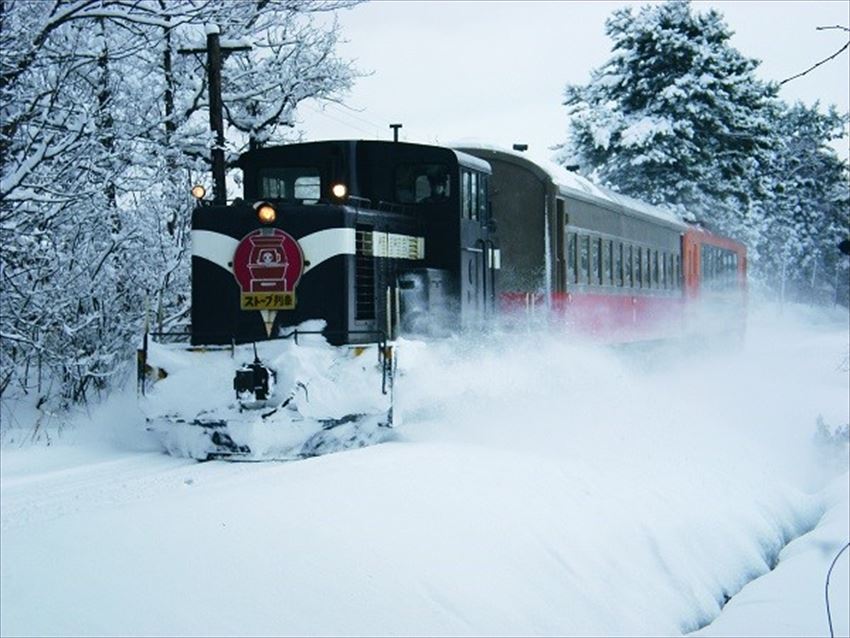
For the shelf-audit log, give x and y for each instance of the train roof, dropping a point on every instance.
(464, 159)
(573, 185)
(470, 161)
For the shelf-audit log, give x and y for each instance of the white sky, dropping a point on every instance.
(496, 71)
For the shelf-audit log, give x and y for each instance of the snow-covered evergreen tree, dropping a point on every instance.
(678, 118)
(674, 116)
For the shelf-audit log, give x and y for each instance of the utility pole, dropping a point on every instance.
(215, 52)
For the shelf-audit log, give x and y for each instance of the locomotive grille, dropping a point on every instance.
(364, 274)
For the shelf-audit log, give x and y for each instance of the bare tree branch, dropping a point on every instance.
(825, 60)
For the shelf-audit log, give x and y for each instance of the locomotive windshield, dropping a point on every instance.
(301, 183)
(422, 183)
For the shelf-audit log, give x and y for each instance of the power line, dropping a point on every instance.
(349, 112)
(344, 123)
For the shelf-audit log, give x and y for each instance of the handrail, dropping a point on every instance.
(362, 201)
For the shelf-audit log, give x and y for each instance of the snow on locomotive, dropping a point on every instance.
(300, 288)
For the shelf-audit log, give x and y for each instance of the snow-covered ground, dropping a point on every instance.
(536, 487)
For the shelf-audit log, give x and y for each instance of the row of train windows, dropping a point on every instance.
(607, 262)
(718, 266)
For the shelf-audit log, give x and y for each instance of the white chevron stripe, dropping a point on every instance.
(317, 247)
(324, 244)
(214, 247)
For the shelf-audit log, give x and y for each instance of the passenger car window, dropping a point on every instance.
(655, 275)
(584, 259)
(599, 262)
(593, 263)
(639, 268)
(618, 264)
(572, 272)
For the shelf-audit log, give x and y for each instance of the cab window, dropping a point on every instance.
(422, 183)
(303, 183)
(465, 193)
(483, 187)
(473, 198)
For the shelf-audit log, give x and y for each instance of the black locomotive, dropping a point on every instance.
(388, 234)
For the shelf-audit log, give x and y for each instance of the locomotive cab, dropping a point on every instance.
(351, 220)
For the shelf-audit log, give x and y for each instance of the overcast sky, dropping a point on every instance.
(496, 71)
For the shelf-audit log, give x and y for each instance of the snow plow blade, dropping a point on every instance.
(211, 440)
(275, 400)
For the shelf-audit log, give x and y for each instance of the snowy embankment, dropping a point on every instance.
(535, 488)
(791, 600)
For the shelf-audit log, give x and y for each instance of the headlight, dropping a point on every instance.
(265, 212)
(339, 191)
(198, 191)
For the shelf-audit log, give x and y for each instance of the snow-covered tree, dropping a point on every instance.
(99, 142)
(678, 118)
(805, 197)
(290, 60)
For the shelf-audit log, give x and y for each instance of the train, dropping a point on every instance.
(339, 248)
(606, 266)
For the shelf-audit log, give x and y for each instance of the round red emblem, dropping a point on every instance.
(267, 265)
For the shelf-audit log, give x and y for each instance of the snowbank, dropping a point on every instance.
(790, 601)
(537, 488)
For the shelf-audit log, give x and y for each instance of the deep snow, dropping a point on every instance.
(313, 380)
(536, 487)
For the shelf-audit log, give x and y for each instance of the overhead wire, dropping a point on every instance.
(350, 112)
(348, 124)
